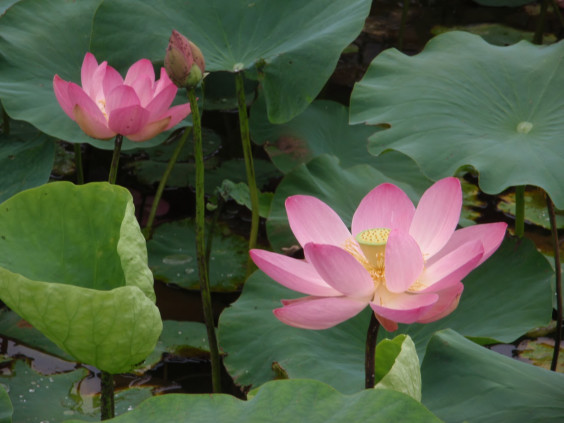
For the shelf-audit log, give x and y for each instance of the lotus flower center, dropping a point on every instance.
(372, 242)
(102, 107)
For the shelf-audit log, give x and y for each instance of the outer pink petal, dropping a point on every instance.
(490, 235)
(451, 268)
(150, 130)
(386, 206)
(448, 301)
(112, 79)
(294, 274)
(91, 126)
(437, 215)
(387, 324)
(403, 261)
(139, 70)
(340, 270)
(61, 88)
(312, 220)
(177, 113)
(318, 313)
(163, 82)
(161, 102)
(87, 72)
(402, 308)
(128, 120)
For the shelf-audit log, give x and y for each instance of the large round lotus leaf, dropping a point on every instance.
(281, 402)
(466, 382)
(6, 409)
(73, 263)
(465, 102)
(30, 59)
(508, 295)
(294, 44)
(322, 128)
(324, 178)
(26, 159)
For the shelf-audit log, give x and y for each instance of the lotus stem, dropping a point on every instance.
(556, 10)
(369, 359)
(520, 211)
(212, 227)
(148, 230)
(404, 13)
(248, 154)
(558, 271)
(115, 159)
(539, 31)
(201, 243)
(78, 164)
(107, 405)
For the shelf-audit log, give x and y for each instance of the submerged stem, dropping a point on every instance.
(148, 230)
(78, 164)
(369, 358)
(107, 406)
(520, 211)
(201, 243)
(539, 31)
(115, 159)
(247, 153)
(404, 13)
(558, 271)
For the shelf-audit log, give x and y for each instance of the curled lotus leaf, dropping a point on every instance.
(73, 263)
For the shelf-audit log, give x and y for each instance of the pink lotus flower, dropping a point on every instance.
(106, 104)
(406, 263)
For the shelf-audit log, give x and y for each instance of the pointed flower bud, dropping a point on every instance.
(184, 62)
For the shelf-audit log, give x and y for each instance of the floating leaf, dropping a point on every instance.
(294, 45)
(253, 338)
(535, 208)
(172, 256)
(463, 102)
(240, 193)
(539, 352)
(94, 299)
(26, 159)
(496, 34)
(466, 382)
(282, 401)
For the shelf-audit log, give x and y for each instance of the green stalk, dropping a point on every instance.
(556, 10)
(212, 227)
(370, 352)
(201, 243)
(558, 271)
(78, 164)
(520, 211)
(115, 159)
(148, 230)
(539, 31)
(248, 154)
(107, 405)
(404, 12)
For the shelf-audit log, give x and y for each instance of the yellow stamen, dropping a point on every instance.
(373, 244)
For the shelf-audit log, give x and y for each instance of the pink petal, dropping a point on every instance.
(341, 270)
(139, 70)
(437, 215)
(87, 72)
(402, 308)
(294, 274)
(386, 206)
(61, 88)
(490, 235)
(448, 301)
(90, 125)
(161, 102)
(112, 80)
(312, 220)
(163, 82)
(403, 261)
(318, 312)
(121, 97)
(128, 120)
(451, 268)
(150, 130)
(144, 89)
(387, 324)
(177, 113)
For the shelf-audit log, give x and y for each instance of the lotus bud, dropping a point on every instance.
(184, 61)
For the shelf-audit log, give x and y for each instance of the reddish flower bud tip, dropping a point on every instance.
(184, 61)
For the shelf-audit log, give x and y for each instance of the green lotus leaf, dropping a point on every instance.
(504, 298)
(30, 59)
(294, 44)
(6, 408)
(73, 263)
(466, 382)
(281, 401)
(26, 159)
(397, 366)
(463, 102)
